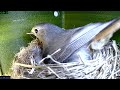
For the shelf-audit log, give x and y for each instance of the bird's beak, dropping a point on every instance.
(30, 33)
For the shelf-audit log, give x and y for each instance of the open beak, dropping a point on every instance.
(30, 33)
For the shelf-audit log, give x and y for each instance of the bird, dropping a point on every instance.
(75, 43)
(104, 36)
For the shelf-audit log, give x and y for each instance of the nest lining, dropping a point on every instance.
(105, 65)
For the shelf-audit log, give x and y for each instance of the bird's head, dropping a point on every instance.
(46, 33)
(45, 30)
(39, 32)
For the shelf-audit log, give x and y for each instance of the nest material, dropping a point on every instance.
(27, 55)
(105, 65)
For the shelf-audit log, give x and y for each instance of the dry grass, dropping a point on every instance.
(105, 65)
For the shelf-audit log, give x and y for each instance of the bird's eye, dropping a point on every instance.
(36, 31)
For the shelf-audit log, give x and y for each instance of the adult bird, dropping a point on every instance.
(75, 44)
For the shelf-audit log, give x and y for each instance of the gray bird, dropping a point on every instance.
(76, 43)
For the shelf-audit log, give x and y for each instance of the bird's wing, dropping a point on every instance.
(113, 27)
(82, 37)
(104, 36)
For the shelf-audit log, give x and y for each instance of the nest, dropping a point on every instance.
(28, 64)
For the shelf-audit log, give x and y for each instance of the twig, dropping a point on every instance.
(116, 50)
(53, 72)
(56, 52)
(33, 63)
(28, 66)
(48, 56)
(117, 71)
